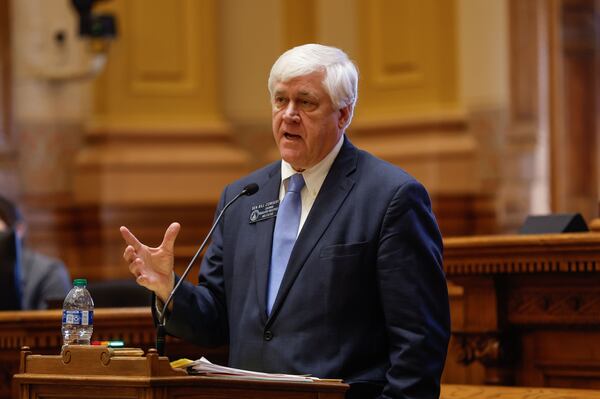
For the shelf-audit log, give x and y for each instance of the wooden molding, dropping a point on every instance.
(543, 253)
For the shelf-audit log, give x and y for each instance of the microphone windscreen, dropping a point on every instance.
(250, 189)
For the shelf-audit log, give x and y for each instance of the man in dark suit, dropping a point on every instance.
(354, 289)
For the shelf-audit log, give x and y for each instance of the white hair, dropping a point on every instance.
(341, 75)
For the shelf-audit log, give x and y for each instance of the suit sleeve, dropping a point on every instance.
(199, 311)
(414, 295)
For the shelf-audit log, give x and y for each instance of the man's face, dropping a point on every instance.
(19, 228)
(306, 125)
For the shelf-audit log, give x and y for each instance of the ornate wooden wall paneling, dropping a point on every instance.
(531, 307)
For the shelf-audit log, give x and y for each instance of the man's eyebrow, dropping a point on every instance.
(307, 94)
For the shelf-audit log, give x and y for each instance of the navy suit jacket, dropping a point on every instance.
(363, 298)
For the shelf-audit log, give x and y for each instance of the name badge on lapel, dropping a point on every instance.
(261, 212)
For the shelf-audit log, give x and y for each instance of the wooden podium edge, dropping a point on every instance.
(97, 365)
(94, 360)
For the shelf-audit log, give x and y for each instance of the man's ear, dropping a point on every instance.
(345, 115)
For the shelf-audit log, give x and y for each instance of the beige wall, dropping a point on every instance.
(158, 133)
(410, 87)
(181, 107)
(483, 53)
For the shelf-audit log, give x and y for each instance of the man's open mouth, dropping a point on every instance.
(291, 136)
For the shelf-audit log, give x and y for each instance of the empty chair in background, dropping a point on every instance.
(118, 294)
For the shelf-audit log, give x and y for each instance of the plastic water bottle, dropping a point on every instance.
(78, 315)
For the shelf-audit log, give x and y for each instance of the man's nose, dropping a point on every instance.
(290, 114)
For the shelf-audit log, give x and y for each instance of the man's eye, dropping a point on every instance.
(307, 104)
(279, 100)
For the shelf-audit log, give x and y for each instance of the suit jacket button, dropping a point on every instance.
(268, 335)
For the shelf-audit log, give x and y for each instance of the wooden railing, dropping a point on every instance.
(530, 307)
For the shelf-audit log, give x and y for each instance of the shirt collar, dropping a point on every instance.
(314, 176)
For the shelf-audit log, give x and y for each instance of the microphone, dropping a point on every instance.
(161, 331)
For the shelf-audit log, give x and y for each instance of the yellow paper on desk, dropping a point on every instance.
(181, 363)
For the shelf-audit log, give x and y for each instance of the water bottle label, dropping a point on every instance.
(78, 317)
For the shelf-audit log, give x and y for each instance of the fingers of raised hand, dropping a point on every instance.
(129, 254)
(168, 242)
(136, 267)
(130, 238)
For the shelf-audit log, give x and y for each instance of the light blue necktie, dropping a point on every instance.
(284, 236)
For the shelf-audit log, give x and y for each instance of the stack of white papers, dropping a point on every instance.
(203, 367)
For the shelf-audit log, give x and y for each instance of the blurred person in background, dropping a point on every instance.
(35, 279)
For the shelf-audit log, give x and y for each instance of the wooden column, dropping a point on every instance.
(575, 95)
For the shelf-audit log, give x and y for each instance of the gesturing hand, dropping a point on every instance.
(152, 267)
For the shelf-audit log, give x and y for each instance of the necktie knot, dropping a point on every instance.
(296, 183)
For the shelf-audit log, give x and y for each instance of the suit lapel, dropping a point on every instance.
(264, 236)
(334, 191)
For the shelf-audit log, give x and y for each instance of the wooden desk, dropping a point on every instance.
(98, 372)
(41, 331)
(531, 307)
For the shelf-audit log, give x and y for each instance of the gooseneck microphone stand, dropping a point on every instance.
(161, 330)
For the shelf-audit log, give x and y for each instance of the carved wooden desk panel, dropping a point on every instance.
(99, 372)
(41, 331)
(531, 307)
